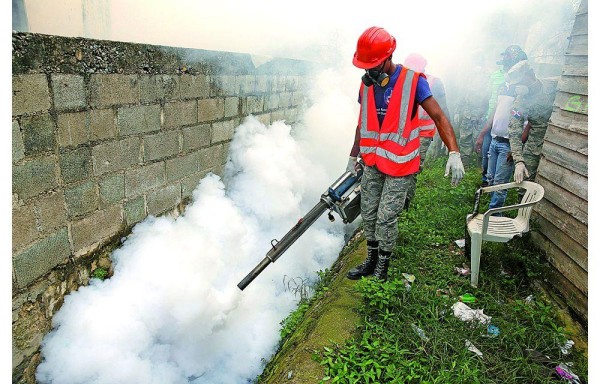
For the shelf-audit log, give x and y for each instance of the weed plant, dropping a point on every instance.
(410, 334)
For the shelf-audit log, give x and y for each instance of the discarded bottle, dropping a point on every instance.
(467, 298)
(410, 278)
(493, 331)
(419, 332)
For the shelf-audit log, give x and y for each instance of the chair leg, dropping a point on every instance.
(476, 241)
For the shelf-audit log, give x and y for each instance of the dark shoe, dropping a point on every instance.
(381, 269)
(367, 267)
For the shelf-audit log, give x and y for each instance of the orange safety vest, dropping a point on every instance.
(393, 147)
(426, 124)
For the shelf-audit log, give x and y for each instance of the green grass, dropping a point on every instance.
(390, 351)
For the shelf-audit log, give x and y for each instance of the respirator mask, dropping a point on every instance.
(376, 76)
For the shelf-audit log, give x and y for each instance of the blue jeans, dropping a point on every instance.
(499, 170)
(485, 155)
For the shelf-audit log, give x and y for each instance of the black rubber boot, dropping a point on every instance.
(367, 267)
(381, 269)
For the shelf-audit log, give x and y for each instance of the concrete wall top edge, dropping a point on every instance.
(39, 53)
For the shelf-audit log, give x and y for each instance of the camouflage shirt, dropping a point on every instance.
(536, 108)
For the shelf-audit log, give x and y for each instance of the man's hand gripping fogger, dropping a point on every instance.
(455, 165)
(352, 165)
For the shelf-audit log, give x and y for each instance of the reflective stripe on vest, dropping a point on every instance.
(393, 151)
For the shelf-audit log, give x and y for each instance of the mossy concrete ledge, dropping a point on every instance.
(330, 320)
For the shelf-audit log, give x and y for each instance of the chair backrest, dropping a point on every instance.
(533, 193)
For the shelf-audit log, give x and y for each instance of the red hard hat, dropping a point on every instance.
(373, 47)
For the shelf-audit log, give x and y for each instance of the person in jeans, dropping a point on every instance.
(500, 165)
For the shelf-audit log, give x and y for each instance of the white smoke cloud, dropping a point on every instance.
(172, 311)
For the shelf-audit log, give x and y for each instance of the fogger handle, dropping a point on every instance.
(255, 272)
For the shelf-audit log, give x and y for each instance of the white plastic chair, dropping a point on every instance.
(485, 227)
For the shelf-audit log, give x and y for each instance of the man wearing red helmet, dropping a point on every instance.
(387, 139)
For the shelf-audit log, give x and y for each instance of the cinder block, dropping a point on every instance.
(75, 164)
(226, 85)
(194, 86)
(99, 227)
(218, 170)
(158, 87)
(291, 115)
(182, 166)
(278, 115)
(271, 102)
(298, 99)
(112, 188)
(82, 199)
(161, 145)
(225, 152)
(291, 83)
(246, 84)
(24, 227)
(68, 90)
(30, 94)
(34, 176)
(73, 128)
(41, 257)
(180, 113)
(38, 134)
(142, 179)
(134, 210)
(222, 131)
(264, 118)
(252, 105)
(196, 137)
(285, 99)
(113, 89)
(232, 106)
(18, 148)
(138, 119)
(115, 155)
(102, 124)
(189, 184)
(264, 84)
(279, 82)
(164, 199)
(210, 157)
(52, 212)
(210, 109)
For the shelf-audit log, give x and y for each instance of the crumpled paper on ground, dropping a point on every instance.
(473, 348)
(465, 313)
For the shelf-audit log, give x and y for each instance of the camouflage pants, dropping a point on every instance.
(469, 129)
(382, 198)
(425, 142)
(531, 162)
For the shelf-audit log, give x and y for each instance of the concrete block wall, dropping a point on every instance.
(105, 134)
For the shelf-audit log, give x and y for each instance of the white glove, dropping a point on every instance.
(455, 164)
(351, 167)
(521, 172)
